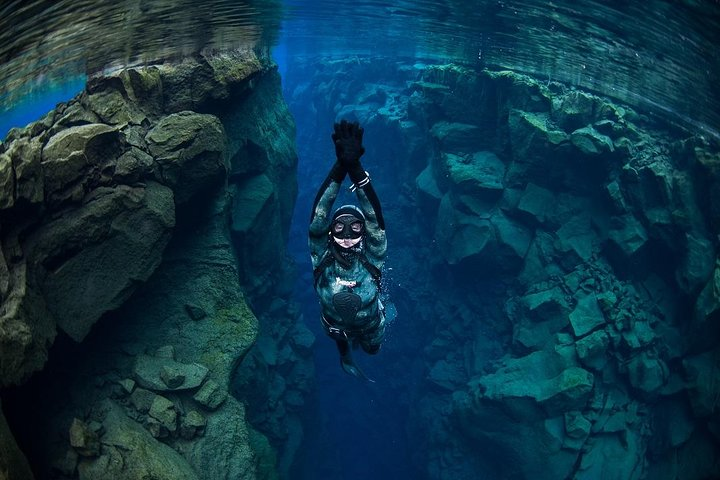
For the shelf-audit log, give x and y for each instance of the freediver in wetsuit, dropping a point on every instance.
(348, 251)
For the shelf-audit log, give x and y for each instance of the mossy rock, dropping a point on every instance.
(130, 452)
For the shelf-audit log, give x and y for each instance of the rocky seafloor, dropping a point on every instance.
(566, 321)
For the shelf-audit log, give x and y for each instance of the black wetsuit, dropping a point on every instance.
(341, 274)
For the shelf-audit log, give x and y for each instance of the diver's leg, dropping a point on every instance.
(372, 340)
(346, 360)
(343, 347)
(370, 349)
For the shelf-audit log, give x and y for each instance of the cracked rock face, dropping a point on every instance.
(118, 205)
(572, 270)
(88, 206)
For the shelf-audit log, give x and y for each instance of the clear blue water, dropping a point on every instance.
(661, 55)
(33, 107)
(354, 430)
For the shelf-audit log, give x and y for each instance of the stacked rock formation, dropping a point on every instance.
(127, 222)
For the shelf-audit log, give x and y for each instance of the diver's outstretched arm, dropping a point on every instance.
(375, 239)
(348, 140)
(320, 216)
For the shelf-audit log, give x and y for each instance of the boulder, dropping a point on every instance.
(192, 425)
(457, 137)
(142, 399)
(461, 236)
(628, 235)
(569, 389)
(75, 113)
(577, 426)
(464, 238)
(252, 202)
(544, 313)
(701, 371)
(708, 302)
(110, 104)
(189, 149)
(195, 312)
(84, 440)
(537, 204)
(533, 136)
(75, 157)
(133, 166)
(541, 379)
(211, 395)
(267, 348)
(613, 457)
(428, 187)
(7, 182)
(512, 239)
(196, 82)
(540, 262)
(149, 373)
(130, 452)
(172, 376)
(127, 385)
(574, 109)
(590, 142)
(616, 197)
(697, 263)
(592, 349)
(166, 351)
(649, 185)
(522, 91)
(88, 140)
(576, 241)
(256, 225)
(586, 316)
(28, 183)
(163, 411)
(639, 335)
(94, 256)
(227, 433)
(647, 373)
(545, 304)
(26, 330)
(531, 445)
(478, 174)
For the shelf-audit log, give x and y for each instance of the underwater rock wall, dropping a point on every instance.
(129, 218)
(572, 298)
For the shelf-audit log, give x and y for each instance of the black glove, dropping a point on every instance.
(337, 172)
(348, 143)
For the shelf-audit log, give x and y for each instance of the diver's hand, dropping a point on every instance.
(348, 142)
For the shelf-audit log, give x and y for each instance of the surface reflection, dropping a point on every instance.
(45, 42)
(661, 55)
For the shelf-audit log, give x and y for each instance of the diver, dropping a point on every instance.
(347, 250)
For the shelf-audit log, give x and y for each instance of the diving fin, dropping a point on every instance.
(349, 367)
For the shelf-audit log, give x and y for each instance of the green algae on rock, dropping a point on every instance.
(129, 451)
(127, 248)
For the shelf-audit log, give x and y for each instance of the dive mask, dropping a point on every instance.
(347, 226)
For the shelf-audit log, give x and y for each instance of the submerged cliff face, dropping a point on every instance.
(569, 317)
(135, 222)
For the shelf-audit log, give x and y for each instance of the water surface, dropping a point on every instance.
(661, 54)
